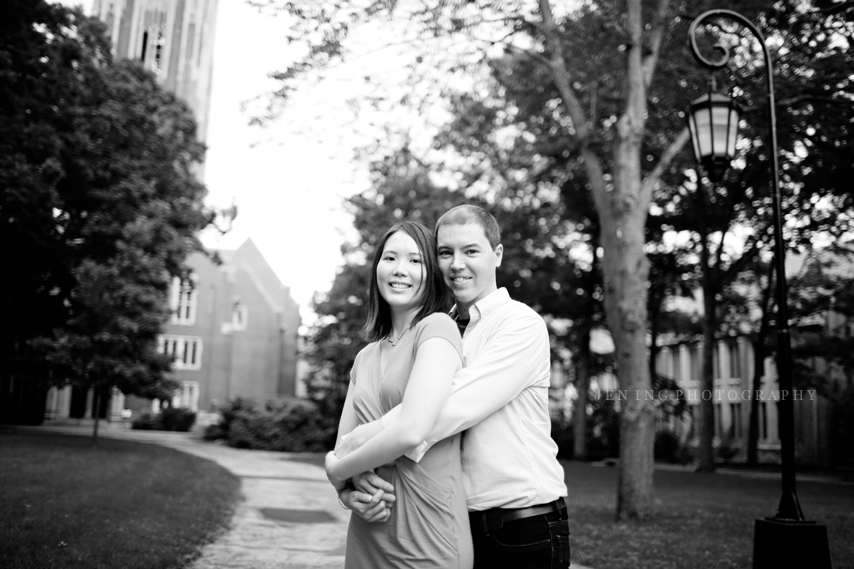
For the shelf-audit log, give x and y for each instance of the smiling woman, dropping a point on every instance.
(124, 504)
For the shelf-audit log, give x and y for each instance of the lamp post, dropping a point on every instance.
(786, 539)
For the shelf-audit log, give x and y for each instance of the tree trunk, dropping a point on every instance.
(626, 269)
(579, 418)
(622, 202)
(96, 403)
(705, 450)
(654, 320)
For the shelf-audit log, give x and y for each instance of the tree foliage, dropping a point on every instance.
(100, 203)
(608, 118)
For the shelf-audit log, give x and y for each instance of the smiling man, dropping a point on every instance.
(514, 484)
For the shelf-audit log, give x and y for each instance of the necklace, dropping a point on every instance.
(395, 342)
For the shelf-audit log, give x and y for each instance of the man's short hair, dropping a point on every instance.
(466, 214)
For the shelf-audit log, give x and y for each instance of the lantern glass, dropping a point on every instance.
(713, 124)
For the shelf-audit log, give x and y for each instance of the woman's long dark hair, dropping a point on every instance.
(435, 297)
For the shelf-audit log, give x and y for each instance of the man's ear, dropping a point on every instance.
(499, 254)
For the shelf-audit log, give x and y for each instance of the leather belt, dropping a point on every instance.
(494, 519)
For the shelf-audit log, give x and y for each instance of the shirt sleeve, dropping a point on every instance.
(514, 358)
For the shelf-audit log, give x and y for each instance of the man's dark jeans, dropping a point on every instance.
(536, 542)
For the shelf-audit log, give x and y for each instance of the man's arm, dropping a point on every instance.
(514, 356)
(511, 360)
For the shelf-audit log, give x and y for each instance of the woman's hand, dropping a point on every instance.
(331, 471)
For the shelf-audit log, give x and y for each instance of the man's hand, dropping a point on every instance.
(370, 508)
(357, 437)
(371, 483)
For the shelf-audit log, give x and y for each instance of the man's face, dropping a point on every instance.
(467, 262)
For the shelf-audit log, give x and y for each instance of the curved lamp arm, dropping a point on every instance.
(789, 508)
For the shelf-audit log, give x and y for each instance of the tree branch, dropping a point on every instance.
(655, 36)
(670, 153)
(560, 75)
(561, 78)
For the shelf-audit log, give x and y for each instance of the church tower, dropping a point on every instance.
(172, 38)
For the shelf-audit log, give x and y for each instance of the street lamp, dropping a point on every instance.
(713, 124)
(786, 539)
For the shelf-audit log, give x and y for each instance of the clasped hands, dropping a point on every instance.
(366, 494)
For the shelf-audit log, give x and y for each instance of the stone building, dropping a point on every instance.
(233, 333)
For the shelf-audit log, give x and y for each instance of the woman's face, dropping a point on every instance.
(400, 272)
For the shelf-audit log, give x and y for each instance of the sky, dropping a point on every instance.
(288, 179)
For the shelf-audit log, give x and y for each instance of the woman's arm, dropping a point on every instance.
(348, 420)
(436, 362)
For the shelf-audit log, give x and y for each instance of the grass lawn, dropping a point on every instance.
(123, 505)
(701, 520)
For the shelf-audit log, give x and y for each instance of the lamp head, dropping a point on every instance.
(713, 124)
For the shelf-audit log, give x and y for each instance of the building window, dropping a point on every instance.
(734, 360)
(187, 396)
(239, 316)
(186, 351)
(677, 362)
(184, 300)
(735, 427)
(695, 359)
(153, 42)
(718, 420)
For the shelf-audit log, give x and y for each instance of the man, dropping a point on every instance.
(514, 484)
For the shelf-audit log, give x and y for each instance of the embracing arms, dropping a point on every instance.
(512, 359)
(436, 362)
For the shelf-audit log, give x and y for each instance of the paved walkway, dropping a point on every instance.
(289, 516)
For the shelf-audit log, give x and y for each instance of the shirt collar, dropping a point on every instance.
(483, 307)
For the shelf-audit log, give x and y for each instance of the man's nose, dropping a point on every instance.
(457, 261)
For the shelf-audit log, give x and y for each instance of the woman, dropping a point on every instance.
(415, 351)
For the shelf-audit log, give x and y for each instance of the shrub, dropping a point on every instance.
(145, 422)
(666, 447)
(169, 419)
(286, 424)
(565, 440)
(603, 430)
(176, 419)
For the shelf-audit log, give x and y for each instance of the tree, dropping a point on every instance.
(613, 121)
(100, 189)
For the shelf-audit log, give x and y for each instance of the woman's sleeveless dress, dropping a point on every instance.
(429, 524)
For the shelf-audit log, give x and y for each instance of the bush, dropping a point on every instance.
(666, 447)
(176, 419)
(144, 422)
(603, 430)
(286, 424)
(563, 436)
(169, 419)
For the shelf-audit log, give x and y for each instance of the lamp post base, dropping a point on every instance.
(780, 543)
